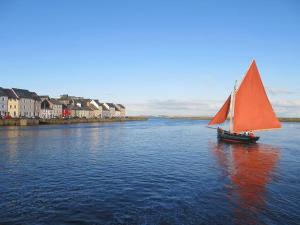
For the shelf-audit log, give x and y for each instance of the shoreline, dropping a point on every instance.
(281, 119)
(40, 122)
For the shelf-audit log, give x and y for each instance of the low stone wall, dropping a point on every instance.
(82, 120)
(32, 122)
(19, 122)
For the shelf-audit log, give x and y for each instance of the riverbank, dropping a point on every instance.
(34, 122)
(281, 119)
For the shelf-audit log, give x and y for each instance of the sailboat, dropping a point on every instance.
(249, 110)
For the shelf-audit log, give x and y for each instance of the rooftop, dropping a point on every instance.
(121, 106)
(10, 94)
(54, 101)
(23, 93)
(111, 105)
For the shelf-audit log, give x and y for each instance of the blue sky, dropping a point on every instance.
(154, 56)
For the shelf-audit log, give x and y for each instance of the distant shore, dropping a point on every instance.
(33, 122)
(281, 119)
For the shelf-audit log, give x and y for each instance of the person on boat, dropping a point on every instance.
(251, 134)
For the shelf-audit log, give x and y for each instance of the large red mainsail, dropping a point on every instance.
(221, 116)
(252, 108)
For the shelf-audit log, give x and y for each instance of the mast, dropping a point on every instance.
(232, 108)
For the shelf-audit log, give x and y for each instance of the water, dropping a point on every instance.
(149, 172)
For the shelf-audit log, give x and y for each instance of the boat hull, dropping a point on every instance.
(226, 136)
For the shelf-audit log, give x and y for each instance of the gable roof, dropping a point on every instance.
(111, 105)
(54, 101)
(97, 102)
(42, 97)
(35, 96)
(104, 107)
(45, 104)
(83, 102)
(23, 93)
(121, 106)
(10, 94)
(117, 107)
(2, 92)
(7, 92)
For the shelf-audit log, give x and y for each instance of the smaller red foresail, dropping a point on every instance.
(221, 116)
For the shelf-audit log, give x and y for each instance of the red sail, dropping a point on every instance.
(221, 116)
(252, 108)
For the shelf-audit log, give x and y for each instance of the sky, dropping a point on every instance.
(158, 57)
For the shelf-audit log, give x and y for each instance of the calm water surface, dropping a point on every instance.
(148, 172)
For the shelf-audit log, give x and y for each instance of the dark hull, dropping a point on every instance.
(224, 135)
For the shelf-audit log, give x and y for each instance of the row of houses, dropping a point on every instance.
(18, 103)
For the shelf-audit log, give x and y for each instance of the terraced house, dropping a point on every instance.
(112, 109)
(121, 109)
(95, 105)
(29, 103)
(12, 104)
(50, 108)
(105, 111)
(17, 103)
(3, 102)
(87, 108)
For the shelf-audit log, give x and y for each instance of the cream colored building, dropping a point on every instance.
(117, 111)
(96, 106)
(122, 110)
(29, 104)
(112, 109)
(13, 107)
(12, 104)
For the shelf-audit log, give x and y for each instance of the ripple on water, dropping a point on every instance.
(148, 172)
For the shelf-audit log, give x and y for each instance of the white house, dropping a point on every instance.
(97, 108)
(122, 110)
(117, 111)
(3, 102)
(51, 108)
(29, 103)
(105, 111)
(82, 110)
(112, 109)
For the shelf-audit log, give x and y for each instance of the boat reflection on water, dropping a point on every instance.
(249, 169)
